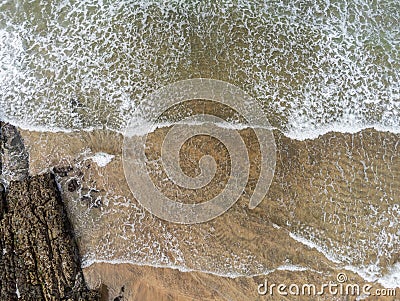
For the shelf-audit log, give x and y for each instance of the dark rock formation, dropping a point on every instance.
(39, 258)
(73, 185)
(62, 171)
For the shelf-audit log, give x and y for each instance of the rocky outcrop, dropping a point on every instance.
(39, 258)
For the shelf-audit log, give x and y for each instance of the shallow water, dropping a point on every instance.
(337, 194)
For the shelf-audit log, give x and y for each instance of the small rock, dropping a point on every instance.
(62, 171)
(91, 201)
(73, 185)
(86, 199)
(97, 203)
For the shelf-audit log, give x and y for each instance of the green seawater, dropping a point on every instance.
(87, 64)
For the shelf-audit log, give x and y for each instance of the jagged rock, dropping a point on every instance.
(62, 171)
(73, 185)
(39, 258)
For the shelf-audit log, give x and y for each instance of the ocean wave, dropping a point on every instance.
(80, 66)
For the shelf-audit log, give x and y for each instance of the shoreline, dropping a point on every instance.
(299, 135)
(360, 272)
(150, 283)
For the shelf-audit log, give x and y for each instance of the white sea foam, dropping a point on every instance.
(303, 132)
(370, 273)
(312, 245)
(392, 278)
(10, 50)
(287, 267)
(144, 128)
(102, 159)
(292, 268)
(373, 273)
(327, 68)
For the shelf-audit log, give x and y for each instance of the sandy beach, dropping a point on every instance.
(318, 219)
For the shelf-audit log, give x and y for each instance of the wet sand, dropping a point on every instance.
(338, 192)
